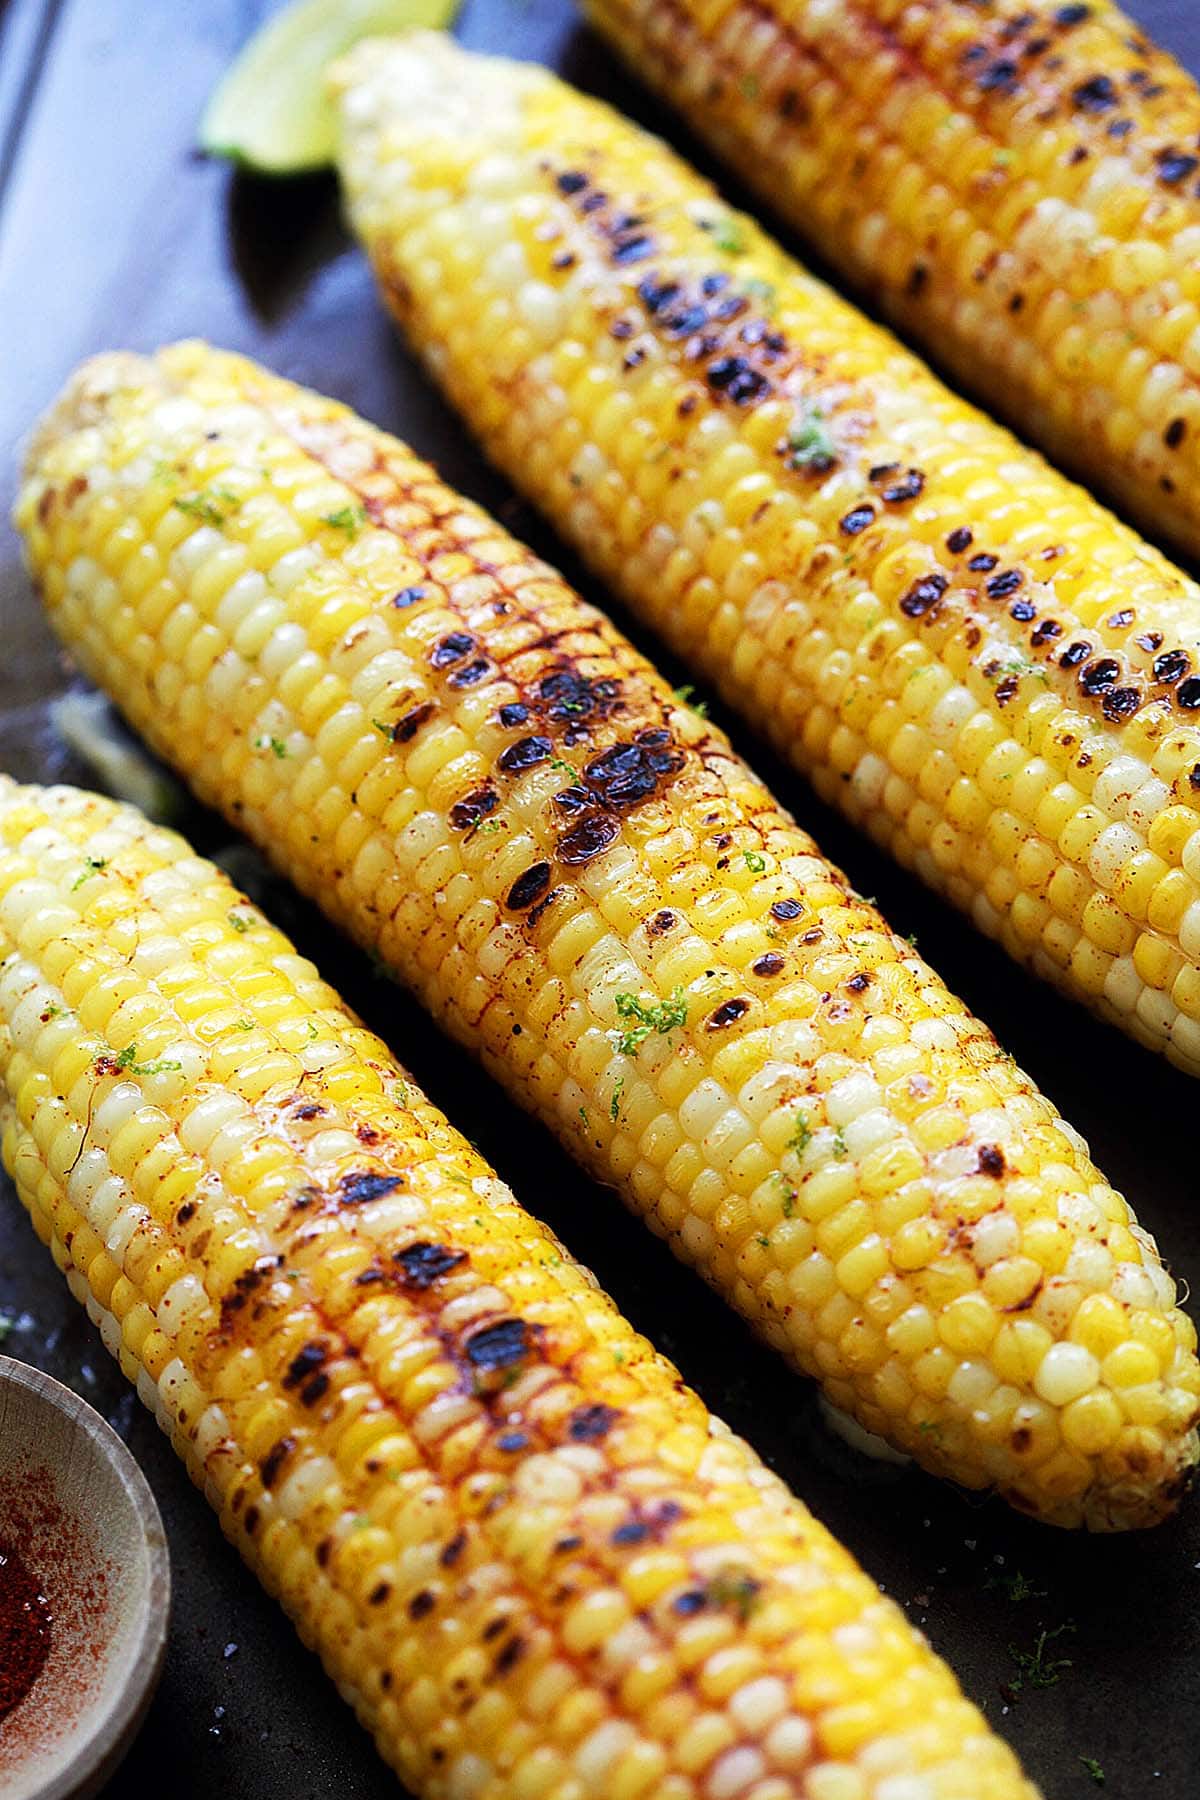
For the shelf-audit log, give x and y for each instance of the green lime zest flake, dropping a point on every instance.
(1036, 1668)
(96, 865)
(728, 234)
(684, 696)
(762, 291)
(209, 505)
(756, 862)
(645, 1016)
(1094, 1769)
(271, 112)
(614, 1105)
(276, 745)
(127, 1059)
(1019, 666)
(801, 1136)
(840, 1147)
(735, 1589)
(1016, 1587)
(237, 921)
(810, 443)
(349, 519)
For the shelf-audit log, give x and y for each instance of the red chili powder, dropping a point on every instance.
(59, 1559)
(24, 1630)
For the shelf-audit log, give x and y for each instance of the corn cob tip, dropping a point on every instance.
(457, 95)
(85, 398)
(1153, 1493)
(430, 64)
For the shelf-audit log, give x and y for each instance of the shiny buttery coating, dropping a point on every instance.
(527, 1555)
(479, 777)
(960, 648)
(1016, 185)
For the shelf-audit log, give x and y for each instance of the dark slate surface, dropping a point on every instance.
(112, 232)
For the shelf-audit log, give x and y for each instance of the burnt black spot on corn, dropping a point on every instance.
(526, 753)
(357, 1188)
(499, 1346)
(421, 1264)
(305, 1363)
(591, 1424)
(469, 811)
(529, 887)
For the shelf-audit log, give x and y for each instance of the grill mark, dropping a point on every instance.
(995, 68)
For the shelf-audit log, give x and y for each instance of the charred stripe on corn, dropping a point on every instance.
(962, 650)
(552, 851)
(529, 1558)
(1018, 186)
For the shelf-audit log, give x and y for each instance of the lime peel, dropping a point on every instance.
(270, 112)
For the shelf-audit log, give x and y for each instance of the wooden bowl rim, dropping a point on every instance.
(94, 1760)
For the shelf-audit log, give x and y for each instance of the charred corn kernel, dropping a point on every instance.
(960, 648)
(581, 880)
(419, 1419)
(1016, 190)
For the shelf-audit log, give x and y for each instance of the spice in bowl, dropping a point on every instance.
(25, 1625)
(56, 1615)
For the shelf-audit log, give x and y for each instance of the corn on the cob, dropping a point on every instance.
(484, 781)
(527, 1555)
(961, 649)
(1018, 187)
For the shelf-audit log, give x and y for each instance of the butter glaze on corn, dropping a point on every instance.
(1016, 185)
(962, 650)
(479, 777)
(527, 1555)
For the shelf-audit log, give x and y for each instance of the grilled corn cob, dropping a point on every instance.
(1018, 186)
(962, 650)
(529, 1558)
(474, 772)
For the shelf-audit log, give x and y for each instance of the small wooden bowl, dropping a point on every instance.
(76, 1507)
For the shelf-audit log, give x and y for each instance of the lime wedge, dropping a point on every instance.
(270, 112)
